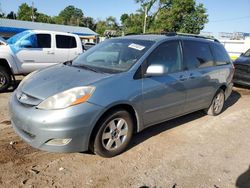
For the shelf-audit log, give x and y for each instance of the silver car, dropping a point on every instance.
(120, 87)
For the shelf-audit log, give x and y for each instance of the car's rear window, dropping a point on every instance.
(220, 55)
(63, 41)
(197, 54)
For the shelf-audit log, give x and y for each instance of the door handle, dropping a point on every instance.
(48, 52)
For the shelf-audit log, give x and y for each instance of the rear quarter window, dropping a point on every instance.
(197, 54)
(65, 42)
(221, 57)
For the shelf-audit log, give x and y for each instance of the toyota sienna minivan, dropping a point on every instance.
(120, 87)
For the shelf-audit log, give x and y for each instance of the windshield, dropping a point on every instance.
(247, 54)
(17, 37)
(113, 55)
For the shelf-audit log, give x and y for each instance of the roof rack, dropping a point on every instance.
(171, 34)
(196, 36)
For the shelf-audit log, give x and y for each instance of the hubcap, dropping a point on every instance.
(114, 134)
(2, 80)
(218, 102)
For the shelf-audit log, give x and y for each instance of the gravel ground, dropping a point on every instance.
(191, 151)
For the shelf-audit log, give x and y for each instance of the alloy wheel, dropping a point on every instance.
(114, 134)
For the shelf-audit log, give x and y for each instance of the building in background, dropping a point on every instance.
(10, 27)
(234, 35)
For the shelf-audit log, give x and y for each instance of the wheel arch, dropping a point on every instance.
(5, 64)
(125, 106)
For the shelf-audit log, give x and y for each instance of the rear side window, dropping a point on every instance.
(169, 55)
(197, 54)
(63, 41)
(220, 55)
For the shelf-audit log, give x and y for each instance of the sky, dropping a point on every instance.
(224, 15)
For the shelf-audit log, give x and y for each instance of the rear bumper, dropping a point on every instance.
(38, 127)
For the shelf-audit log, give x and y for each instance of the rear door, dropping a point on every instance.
(39, 55)
(202, 76)
(65, 48)
(164, 96)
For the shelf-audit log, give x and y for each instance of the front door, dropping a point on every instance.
(164, 96)
(39, 54)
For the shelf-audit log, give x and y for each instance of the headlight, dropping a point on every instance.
(67, 98)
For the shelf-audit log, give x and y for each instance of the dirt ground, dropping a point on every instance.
(191, 151)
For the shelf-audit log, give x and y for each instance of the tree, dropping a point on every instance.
(25, 12)
(11, 15)
(44, 18)
(132, 23)
(71, 16)
(109, 24)
(175, 16)
(89, 22)
(101, 27)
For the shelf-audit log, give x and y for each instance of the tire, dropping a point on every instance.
(217, 104)
(114, 134)
(5, 79)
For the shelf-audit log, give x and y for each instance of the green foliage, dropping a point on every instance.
(182, 16)
(132, 23)
(71, 16)
(173, 16)
(109, 24)
(89, 22)
(25, 12)
(44, 18)
(101, 27)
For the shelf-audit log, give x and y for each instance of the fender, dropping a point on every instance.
(11, 62)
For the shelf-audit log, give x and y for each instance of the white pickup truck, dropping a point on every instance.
(35, 49)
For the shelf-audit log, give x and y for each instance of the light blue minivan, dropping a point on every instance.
(120, 87)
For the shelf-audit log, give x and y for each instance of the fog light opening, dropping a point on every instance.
(58, 142)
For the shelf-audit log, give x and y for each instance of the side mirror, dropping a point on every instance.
(156, 70)
(25, 44)
(242, 54)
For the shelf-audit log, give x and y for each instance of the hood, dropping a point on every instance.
(56, 79)
(242, 60)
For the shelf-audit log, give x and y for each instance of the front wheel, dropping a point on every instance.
(114, 134)
(5, 79)
(217, 104)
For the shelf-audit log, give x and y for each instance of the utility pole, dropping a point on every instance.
(32, 16)
(145, 18)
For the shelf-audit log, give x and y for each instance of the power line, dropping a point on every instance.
(231, 19)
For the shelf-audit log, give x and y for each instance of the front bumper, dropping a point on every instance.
(37, 127)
